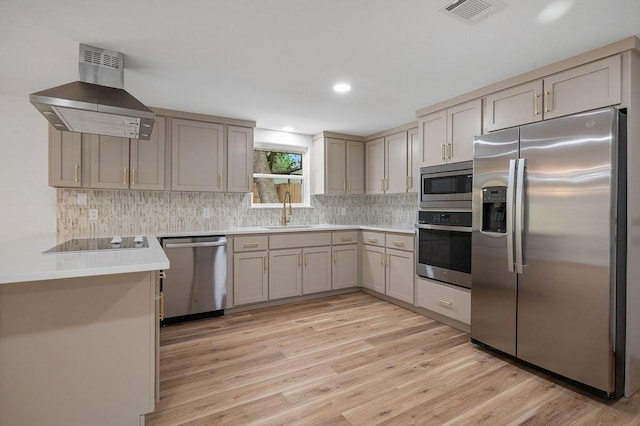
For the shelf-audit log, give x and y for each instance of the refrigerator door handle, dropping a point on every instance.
(520, 215)
(511, 187)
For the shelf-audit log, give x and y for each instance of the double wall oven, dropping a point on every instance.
(443, 240)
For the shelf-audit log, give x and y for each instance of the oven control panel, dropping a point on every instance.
(426, 217)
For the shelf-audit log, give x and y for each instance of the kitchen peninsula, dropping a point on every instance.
(77, 333)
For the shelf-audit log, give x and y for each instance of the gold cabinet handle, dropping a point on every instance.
(348, 186)
(382, 184)
(248, 182)
(133, 177)
(442, 151)
(546, 101)
(345, 239)
(161, 307)
(265, 260)
(299, 260)
(397, 243)
(409, 183)
(535, 104)
(445, 303)
(306, 256)
(372, 240)
(382, 259)
(344, 185)
(219, 181)
(77, 175)
(335, 257)
(449, 150)
(124, 176)
(250, 245)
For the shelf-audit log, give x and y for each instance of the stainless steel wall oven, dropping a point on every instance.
(443, 228)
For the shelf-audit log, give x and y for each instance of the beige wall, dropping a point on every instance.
(28, 204)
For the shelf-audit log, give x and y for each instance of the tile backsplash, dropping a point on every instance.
(154, 212)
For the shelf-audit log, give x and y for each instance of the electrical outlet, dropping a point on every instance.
(93, 214)
(343, 212)
(206, 212)
(82, 199)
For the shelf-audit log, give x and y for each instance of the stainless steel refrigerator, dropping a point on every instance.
(549, 246)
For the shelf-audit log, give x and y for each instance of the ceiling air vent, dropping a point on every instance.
(471, 11)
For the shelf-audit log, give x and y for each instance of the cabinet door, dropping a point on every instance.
(65, 158)
(240, 159)
(414, 160)
(374, 154)
(197, 156)
(400, 275)
(147, 159)
(464, 122)
(285, 273)
(433, 136)
(396, 163)
(109, 162)
(250, 277)
(355, 167)
(373, 268)
(345, 266)
(335, 165)
(513, 107)
(316, 269)
(589, 86)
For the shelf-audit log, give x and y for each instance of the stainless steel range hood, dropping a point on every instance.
(98, 102)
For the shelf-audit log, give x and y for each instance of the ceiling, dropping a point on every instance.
(275, 61)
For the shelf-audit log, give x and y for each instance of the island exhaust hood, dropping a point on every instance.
(97, 103)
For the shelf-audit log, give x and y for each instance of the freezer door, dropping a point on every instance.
(493, 293)
(565, 290)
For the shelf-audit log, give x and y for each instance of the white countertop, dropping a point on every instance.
(22, 260)
(288, 228)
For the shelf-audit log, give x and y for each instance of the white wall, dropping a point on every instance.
(28, 204)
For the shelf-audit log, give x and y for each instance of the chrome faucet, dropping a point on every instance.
(284, 209)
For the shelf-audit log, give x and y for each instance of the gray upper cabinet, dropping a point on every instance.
(197, 156)
(395, 165)
(109, 162)
(338, 166)
(375, 161)
(590, 86)
(65, 159)
(147, 160)
(513, 107)
(240, 159)
(433, 137)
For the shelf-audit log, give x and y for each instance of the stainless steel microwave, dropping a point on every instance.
(446, 186)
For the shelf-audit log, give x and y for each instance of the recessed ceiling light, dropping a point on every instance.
(342, 88)
(287, 129)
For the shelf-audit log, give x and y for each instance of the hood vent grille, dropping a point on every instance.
(471, 11)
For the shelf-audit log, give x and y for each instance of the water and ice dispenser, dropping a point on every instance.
(494, 209)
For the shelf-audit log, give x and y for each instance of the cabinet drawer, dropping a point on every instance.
(308, 239)
(400, 242)
(250, 243)
(346, 237)
(373, 238)
(443, 299)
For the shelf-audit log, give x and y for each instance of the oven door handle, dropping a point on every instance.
(444, 227)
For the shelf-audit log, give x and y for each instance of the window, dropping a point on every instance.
(277, 171)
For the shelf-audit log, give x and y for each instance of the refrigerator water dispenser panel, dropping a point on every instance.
(494, 209)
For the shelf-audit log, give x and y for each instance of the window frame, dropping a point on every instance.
(305, 177)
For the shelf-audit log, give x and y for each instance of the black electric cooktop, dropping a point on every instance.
(95, 244)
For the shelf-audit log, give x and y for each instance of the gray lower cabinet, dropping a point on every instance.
(345, 266)
(65, 159)
(373, 268)
(250, 277)
(285, 273)
(197, 156)
(316, 269)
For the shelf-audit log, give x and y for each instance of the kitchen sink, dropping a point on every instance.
(289, 226)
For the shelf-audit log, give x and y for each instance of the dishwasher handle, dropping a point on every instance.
(206, 244)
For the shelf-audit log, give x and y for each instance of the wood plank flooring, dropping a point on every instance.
(355, 360)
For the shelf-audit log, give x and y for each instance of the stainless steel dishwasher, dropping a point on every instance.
(195, 286)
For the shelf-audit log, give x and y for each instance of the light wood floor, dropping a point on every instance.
(355, 360)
